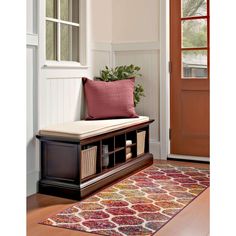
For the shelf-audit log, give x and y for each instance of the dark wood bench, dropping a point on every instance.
(61, 160)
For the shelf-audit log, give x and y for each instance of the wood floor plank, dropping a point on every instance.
(192, 220)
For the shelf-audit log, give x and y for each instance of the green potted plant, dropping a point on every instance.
(123, 72)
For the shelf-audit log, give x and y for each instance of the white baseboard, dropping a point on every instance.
(155, 149)
(190, 158)
(32, 180)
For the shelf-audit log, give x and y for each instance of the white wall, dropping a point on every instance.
(135, 21)
(101, 20)
(101, 32)
(31, 24)
(122, 21)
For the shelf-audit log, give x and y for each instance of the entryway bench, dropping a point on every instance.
(78, 158)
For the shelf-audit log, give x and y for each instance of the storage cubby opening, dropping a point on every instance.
(108, 161)
(116, 150)
(131, 152)
(120, 157)
(109, 143)
(131, 138)
(119, 141)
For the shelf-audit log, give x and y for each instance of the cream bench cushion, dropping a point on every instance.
(88, 128)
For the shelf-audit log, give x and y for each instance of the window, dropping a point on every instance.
(195, 39)
(63, 30)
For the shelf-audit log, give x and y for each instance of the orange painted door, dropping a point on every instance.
(189, 83)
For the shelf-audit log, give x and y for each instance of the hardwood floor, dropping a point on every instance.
(192, 220)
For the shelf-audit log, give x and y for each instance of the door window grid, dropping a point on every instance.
(195, 58)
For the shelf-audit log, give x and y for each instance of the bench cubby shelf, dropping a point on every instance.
(61, 161)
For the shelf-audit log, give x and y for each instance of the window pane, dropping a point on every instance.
(51, 39)
(69, 43)
(51, 8)
(194, 8)
(194, 33)
(70, 10)
(194, 64)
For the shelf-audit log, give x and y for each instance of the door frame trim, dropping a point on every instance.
(164, 78)
(164, 10)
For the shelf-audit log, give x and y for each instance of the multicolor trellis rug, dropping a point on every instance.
(139, 205)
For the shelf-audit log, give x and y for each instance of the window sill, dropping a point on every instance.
(64, 65)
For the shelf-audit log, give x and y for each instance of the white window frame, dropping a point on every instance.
(82, 37)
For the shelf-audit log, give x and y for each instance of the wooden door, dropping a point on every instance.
(189, 85)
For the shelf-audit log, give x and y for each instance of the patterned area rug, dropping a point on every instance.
(139, 205)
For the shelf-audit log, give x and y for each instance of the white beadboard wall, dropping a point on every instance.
(60, 88)
(62, 100)
(147, 56)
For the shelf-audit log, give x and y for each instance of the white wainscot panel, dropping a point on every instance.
(100, 60)
(63, 101)
(149, 63)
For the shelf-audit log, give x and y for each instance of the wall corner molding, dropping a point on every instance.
(101, 46)
(164, 79)
(135, 46)
(32, 39)
(32, 179)
(125, 46)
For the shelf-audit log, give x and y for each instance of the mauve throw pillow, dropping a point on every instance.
(109, 99)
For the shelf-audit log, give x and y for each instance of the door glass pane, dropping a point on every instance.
(194, 8)
(69, 43)
(51, 8)
(194, 33)
(51, 40)
(70, 10)
(194, 64)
